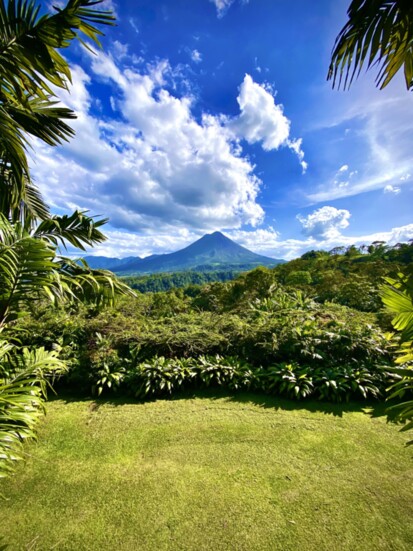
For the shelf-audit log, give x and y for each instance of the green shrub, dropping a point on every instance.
(288, 380)
(158, 377)
(345, 382)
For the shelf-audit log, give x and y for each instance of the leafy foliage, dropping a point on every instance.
(139, 347)
(397, 295)
(378, 32)
(23, 380)
(31, 67)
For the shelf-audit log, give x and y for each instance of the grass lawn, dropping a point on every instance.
(211, 472)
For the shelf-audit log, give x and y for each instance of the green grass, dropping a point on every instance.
(211, 473)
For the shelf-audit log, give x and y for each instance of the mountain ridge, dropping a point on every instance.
(209, 252)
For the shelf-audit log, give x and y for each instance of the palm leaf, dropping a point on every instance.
(26, 270)
(99, 287)
(78, 229)
(21, 399)
(31, 68)
(397, 295)
(378, 33)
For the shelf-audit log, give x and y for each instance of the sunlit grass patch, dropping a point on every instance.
(203, 473)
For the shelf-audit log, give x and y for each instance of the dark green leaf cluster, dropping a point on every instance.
(350, 276)
(160, 377)
(378, 32)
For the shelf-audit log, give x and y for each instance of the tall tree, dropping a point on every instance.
(31, 69)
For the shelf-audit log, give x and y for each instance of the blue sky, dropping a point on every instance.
(216, 115)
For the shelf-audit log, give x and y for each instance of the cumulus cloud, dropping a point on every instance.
(154, 164)
(325, 223)
(159, 166)
(262, 120)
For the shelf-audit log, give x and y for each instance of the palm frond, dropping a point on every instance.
(21, 399)
(29, 43)
(378, 33)
(27, 270)
(97, 287)
(33, 206)
(40, 118)
(78, 229)
(31, 68)
(397, 295)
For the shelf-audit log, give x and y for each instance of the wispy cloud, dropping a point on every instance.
(383, 133)
(222, 6)
(392, 189)
(358, 185)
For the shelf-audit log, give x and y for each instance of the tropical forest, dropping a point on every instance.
(175, 374)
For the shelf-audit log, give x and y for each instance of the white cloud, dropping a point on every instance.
(391, 189)
(269, 242)
(295, 145)
(222, 6)
(154, 164)
(261, 240)
(121, 244)
(343, 168)
(160, 167)
(381, 129)
(262, 120)
(359, 185)
(196, 56)
(134, 24)
(325, 223)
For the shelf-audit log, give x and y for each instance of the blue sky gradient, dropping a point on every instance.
(216, 115)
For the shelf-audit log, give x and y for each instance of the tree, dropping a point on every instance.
(377, 33)
(31, 68)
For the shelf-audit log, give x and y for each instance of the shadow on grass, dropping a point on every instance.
(373, 408)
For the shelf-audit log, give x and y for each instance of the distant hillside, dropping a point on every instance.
(108, 263)
(212, 252)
